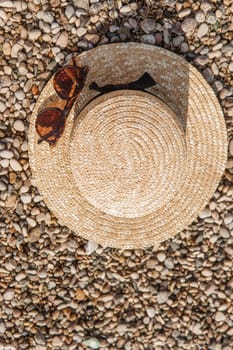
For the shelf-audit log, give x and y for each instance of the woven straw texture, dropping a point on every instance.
(132, 168)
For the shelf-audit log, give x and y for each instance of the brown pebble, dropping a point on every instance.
(35, 90)
(80, 295)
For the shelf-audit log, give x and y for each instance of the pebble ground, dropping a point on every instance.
(58, 291)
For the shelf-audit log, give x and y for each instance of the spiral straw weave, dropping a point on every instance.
(133, 168)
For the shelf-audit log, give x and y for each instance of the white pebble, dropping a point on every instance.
(91, 247)
(26, 198)
(219, 316)
(125, 10)
(202, 30)
(206, 272)
(19, 125)
(200, 16)
(16, 166)
(9, 294)
(92, 343)
(62, 40)
(34, 35)
(20, 95)
(161, 256)
(6, 154)
(2, 327)
(69, 11)
(20, 276)
(162, 297)
(4, 163)
(6, 3)
(81, 31)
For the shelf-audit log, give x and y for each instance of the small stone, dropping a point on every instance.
(80, 295)
(26, 198)
(161, 256)
(202, 30)
(225, 93)
(2, 327)
(19, 125)
(91, 247)
(92, 343)
(3, 15)
(7, 154)
(15, 50)
(200, 16)
(206, 213)
(189, 24)
(3, 186)
(206, 6)
(220, 316)
(92, 38)
(11, 201)
(150, 311)
(20, 276)
(6, 48)
(184, 12)
(230, 67)
(162, 297)
(177, 41)
(57, 341)
(48, 17)
(206, 272)
(20, 95)
(6, 3)
(211, 19)
(62, 40)
(15, 165)
(202, 60)
(2, 107)
(69, 11)
(9, 294)
(224, 233)
(231, 147)
(148, 25)
(34, 235)
(84, 4)
(34, 34)
(208, 74)
(124, 10)
(81, 31)
(148, 39)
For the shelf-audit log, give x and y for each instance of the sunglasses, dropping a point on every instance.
(67, 82)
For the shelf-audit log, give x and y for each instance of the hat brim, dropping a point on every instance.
(188, 95)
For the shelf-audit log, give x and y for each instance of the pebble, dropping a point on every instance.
(20, 95)
(81, 31)
(200, 16)
(189, 24)
(124, 10)
(57, 342)
(3, 15)
(92, 343)
(185, 12)
(20, 276)
(150, 311)
(26, 198)
(19, 125)
(148, 39)
(15, 165)
(91, 247)
(6, 3)
(2, 327)
(62, 40)
(3, 186)
(161, 256)
(162, 297)
(82, 4)
(148, 25)
(34, 34)
(202, 60)
(206, 272)
(6, 154)
(231, 147)
(202, 30)
(220, 316)
(9, 294)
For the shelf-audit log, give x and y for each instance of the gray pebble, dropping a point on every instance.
(69, 11)
(3, 186)
(189, 24)
(148, 25)
(177, 41)
(202, 30)
(82, 4)
(81, 31)
(2, 327)
(211, 19)
(206, 213)
(148, 39)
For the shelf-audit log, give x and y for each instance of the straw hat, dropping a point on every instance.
(133, 167)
